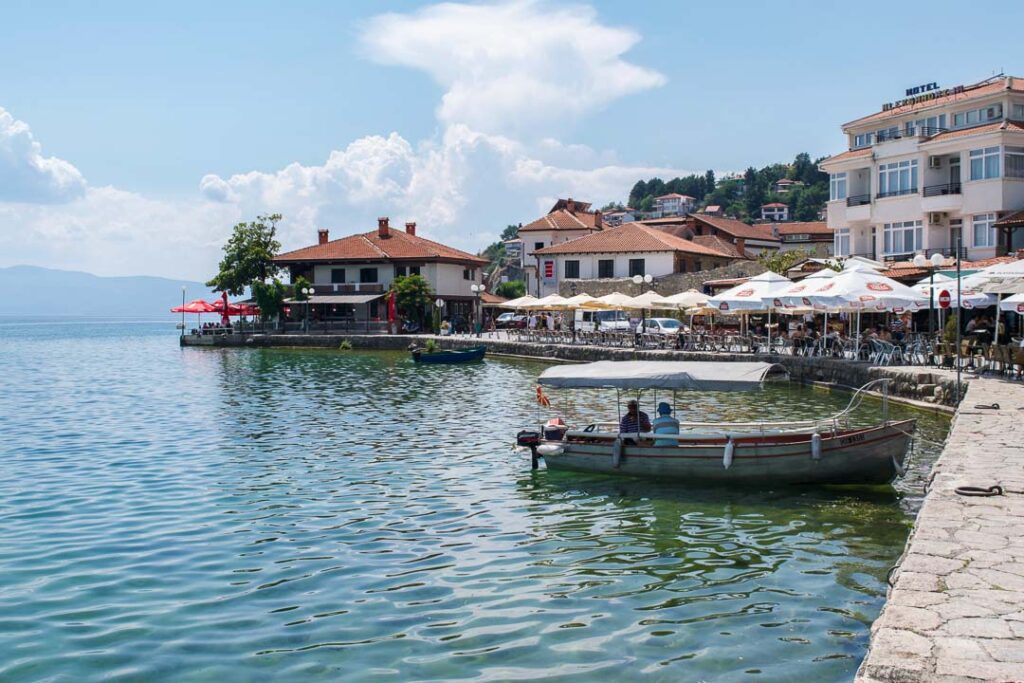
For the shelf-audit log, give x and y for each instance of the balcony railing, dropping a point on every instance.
(896, 193)
(858, 200)
(939, 190)
(918, 132)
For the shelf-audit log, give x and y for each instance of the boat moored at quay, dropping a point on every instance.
(831, 450)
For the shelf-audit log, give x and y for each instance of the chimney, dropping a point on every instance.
(322, 236)
(382, 228)
(598, 219)
(570, 205)
(410, 228)
(741, 246)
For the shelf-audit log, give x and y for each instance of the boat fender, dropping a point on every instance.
(816, 446)
(617, 453)
(549, 449)
(730, 448)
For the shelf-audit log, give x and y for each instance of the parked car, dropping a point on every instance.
(510, 321)
(662, 326)
(612, 321)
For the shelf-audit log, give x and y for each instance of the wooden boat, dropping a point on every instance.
(450, 356)
(826, 451)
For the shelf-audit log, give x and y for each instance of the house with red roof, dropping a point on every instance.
(747, 240)
(935, 166)
(814, 237)
(627, 250)
(567, 220)
(774, 211)
(350, 275)
(674, 204)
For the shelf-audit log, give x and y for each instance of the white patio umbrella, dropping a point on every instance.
(750, 296)
(551, 301)
(691, 298)
(793, 299)
(584, 301)
(1013, 304)
(970, 296)
(522, 302)
(654, 300)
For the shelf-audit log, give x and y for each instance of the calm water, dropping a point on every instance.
(202, 515)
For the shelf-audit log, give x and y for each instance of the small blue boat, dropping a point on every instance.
(453, 356)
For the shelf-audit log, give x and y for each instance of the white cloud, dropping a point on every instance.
(25, 174)
(513, 66)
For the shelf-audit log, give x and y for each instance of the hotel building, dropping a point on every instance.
(939, 165)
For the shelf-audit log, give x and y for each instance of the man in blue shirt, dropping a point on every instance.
(635, 420)
(665, 424)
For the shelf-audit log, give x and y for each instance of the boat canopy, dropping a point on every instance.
(646, 374)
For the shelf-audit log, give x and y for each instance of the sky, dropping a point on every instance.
(133, 136)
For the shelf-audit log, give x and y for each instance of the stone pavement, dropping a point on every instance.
(956, 612)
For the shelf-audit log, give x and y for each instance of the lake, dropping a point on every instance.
(257, 515)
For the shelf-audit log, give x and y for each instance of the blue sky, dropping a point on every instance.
(133, 135)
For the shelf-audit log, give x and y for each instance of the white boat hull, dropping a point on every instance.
(870, 455)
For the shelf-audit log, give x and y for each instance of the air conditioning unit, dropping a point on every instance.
(934, 162)
(936, 217)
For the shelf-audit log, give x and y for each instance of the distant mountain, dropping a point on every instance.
(30, 290)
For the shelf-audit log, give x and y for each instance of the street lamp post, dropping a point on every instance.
(932, 264)
(183, 310)
(640, 281)
(477, 291)
(307, 292)
(438, 304)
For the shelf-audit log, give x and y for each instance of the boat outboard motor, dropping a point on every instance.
(529, 438)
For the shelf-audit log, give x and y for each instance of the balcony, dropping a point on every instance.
(921, 132)
(896, 193)
(940, 190)
(858, 200)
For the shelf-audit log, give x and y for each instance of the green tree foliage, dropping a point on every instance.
(298, 285)
(509, 233)
(781, 261)
(248, 255)
(647, 203)
(709, 181)
(513, 289)
(412, 296)
(637, 194)
(269, 297)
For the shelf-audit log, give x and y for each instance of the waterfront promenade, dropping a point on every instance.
(956, 612)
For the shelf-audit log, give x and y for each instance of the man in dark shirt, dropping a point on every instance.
(635, 420)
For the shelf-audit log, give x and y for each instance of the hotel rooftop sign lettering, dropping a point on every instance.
(922, 93)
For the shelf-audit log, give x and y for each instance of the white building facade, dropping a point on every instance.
(674, 204)
(929, 170)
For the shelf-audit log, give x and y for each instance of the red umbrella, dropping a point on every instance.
(197, 306)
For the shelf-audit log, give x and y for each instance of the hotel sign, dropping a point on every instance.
(923, 93)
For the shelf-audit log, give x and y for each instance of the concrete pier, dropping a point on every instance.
(956, 611)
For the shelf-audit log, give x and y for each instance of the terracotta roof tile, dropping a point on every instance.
(674, 195)
(629, 237)
(977, 130)
(849, 154)
(737, 228)
(807, 228)
(970, 92)
(1012, 220)
(563, 219)
(718, 244)
(774, 205)
(370, 246)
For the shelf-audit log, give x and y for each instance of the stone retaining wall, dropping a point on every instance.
(666, 285)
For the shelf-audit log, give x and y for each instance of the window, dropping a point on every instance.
(983, 234)
(399, 271)
(337, 276)
(863, 140)
(901, 238)
(888, 134)
(468, 273)
(976, 116)
(1018, 111)
(538, 245)
(1014, 164)
(367, 275)
(841, 242)
(636, 266)
(606, 268)
(572, 269)
(897, 178)
(928, 126)
(984, 163)
(837, 186)
(414, 270)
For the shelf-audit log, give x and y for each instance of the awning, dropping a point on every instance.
(645, 374)
(336, 299)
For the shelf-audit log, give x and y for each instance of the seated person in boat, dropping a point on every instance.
(635, 420)
(665, 424)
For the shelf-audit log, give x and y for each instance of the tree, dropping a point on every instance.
(269, 297)
(647, 204)
(513, 289)
(780, 261)
(637, 194)
(709, 181)
(300, 283)
(248, 255)
(807, 202)
(509, 233)
(412, 296)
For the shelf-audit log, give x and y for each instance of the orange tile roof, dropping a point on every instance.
(807, 228)
(563, 219)
(629, 237)
(977, 130)
(1012, 220)
(370, 246)
(492, 299)
(849, 154)
(667, 220)
(674, 195)
(718, 244)
(773, 205)
(737, 228)
(970, 92)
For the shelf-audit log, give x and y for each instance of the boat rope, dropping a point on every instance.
(987, 406)
(979, 491)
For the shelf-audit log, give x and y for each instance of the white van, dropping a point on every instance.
(605, 321)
